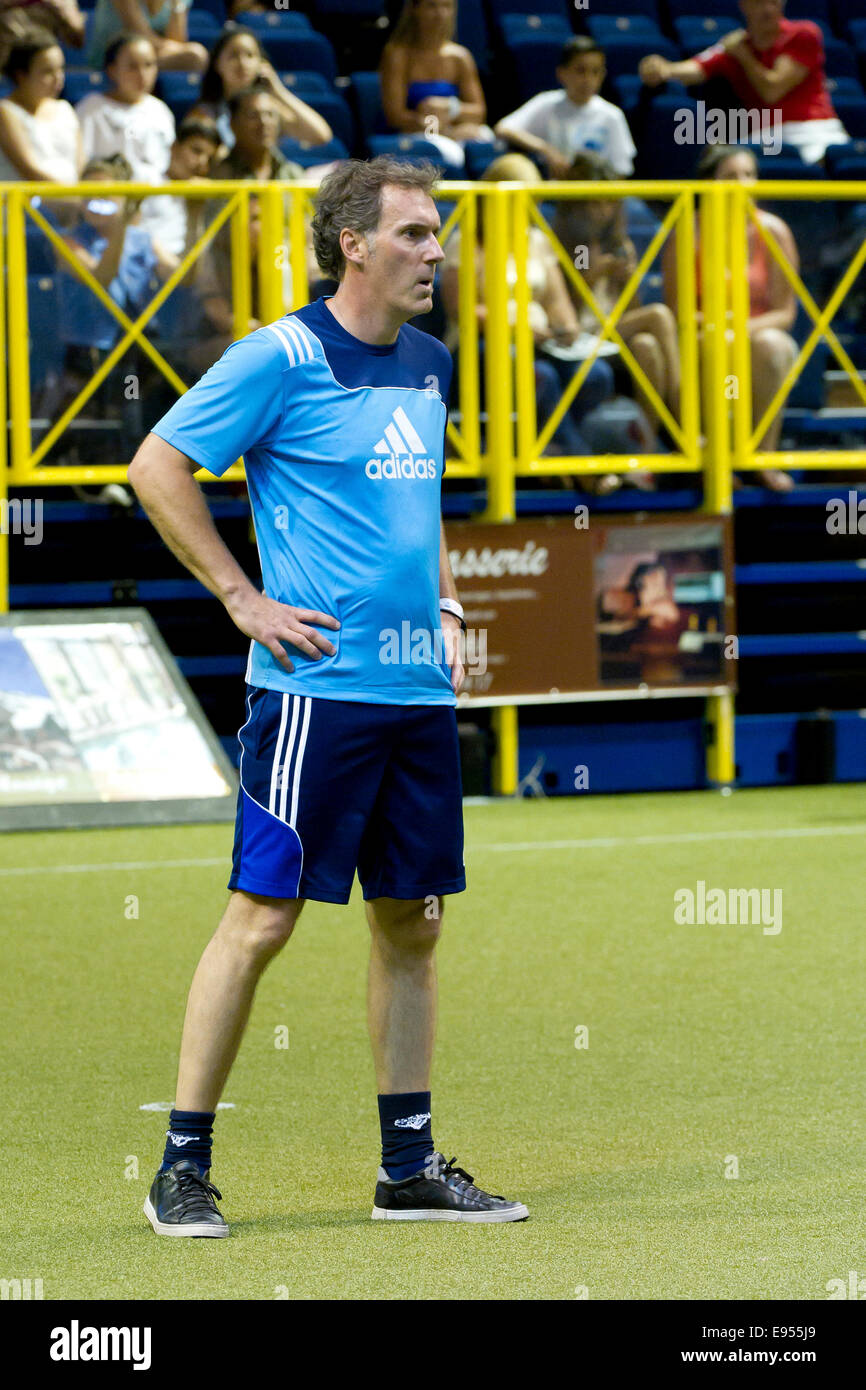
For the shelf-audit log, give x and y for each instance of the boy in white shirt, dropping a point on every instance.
(557, 124)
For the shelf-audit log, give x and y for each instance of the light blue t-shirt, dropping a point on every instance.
(107, 23)
(343, 444)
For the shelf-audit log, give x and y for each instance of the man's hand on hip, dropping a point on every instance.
(272, 623)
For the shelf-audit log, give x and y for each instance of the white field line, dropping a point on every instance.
(504, 847)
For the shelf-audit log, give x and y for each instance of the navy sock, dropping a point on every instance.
(189, 1135)
(407, 1138)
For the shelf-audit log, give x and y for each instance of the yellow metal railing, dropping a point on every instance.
(712, 430)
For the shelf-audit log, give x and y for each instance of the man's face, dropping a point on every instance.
(762, 16)
(401, 256)
(256, 124)
(192, 157)
(582, 77)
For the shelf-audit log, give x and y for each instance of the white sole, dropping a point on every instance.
(518, 1213)
(163, 1228)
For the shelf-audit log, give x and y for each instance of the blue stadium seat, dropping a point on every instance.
(304, 83)
(851, 111)
(76, 57)
(624, 54)
(411, 148)
(351, 9)
(660, 155)
(40, 252)
(277, 21)
(43, 313)
(816, 10)
(366, 94)
(480, 154)
(80, 82)
(840, 61)
(695, 33)
(202, 26)
(845, 88)
(215, 7)
(308, 155)
(534, 63)
(179, 89)
(297, 49)
(626, 91)
(516, 27)
(336, 112)
(649, 8)
(857, 30)
(786, 164)
(472, 32)
(678, 9)
(605, 27)
(847, 161)
(501, 7)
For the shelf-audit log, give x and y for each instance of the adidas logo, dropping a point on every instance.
(402, 446)
(412, 1122)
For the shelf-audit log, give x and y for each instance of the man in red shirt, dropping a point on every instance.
(773, 64)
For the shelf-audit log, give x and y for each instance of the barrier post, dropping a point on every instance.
(19, 362)
(715, 214)
(498, 368)
(4, 440)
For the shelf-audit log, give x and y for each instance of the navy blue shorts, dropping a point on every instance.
(329, 787)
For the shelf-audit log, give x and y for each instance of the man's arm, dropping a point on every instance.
(450, 625)
(163, 481)
(771, 84)
(654, 70)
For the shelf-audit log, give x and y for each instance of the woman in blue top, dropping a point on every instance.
(161, 21)
(430, 84)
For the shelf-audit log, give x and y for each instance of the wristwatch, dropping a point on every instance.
(450, 605)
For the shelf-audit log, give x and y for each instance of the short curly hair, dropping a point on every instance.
(351, 196)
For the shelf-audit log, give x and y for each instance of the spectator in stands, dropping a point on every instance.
(39, 133)
(209, 339)
(772, 302)
(255, 122)
(593, 232)
(430, 84)
(554, 126)
(594, 423)
(162, 21)
(774, 64)
(128, 119)
(180, 220)
(108, 240)
(236, 7)
(61, 18)
(238, 62)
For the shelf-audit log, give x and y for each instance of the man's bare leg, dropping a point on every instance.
(252, 931)
(402, 991)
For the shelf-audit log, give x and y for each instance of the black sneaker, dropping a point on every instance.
(440, 1192)
(181, 1203)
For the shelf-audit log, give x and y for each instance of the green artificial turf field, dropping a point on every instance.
(707, 1143)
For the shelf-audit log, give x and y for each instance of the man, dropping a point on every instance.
(255, 154)
(773, 63)
(347, 760)
(555, 125)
